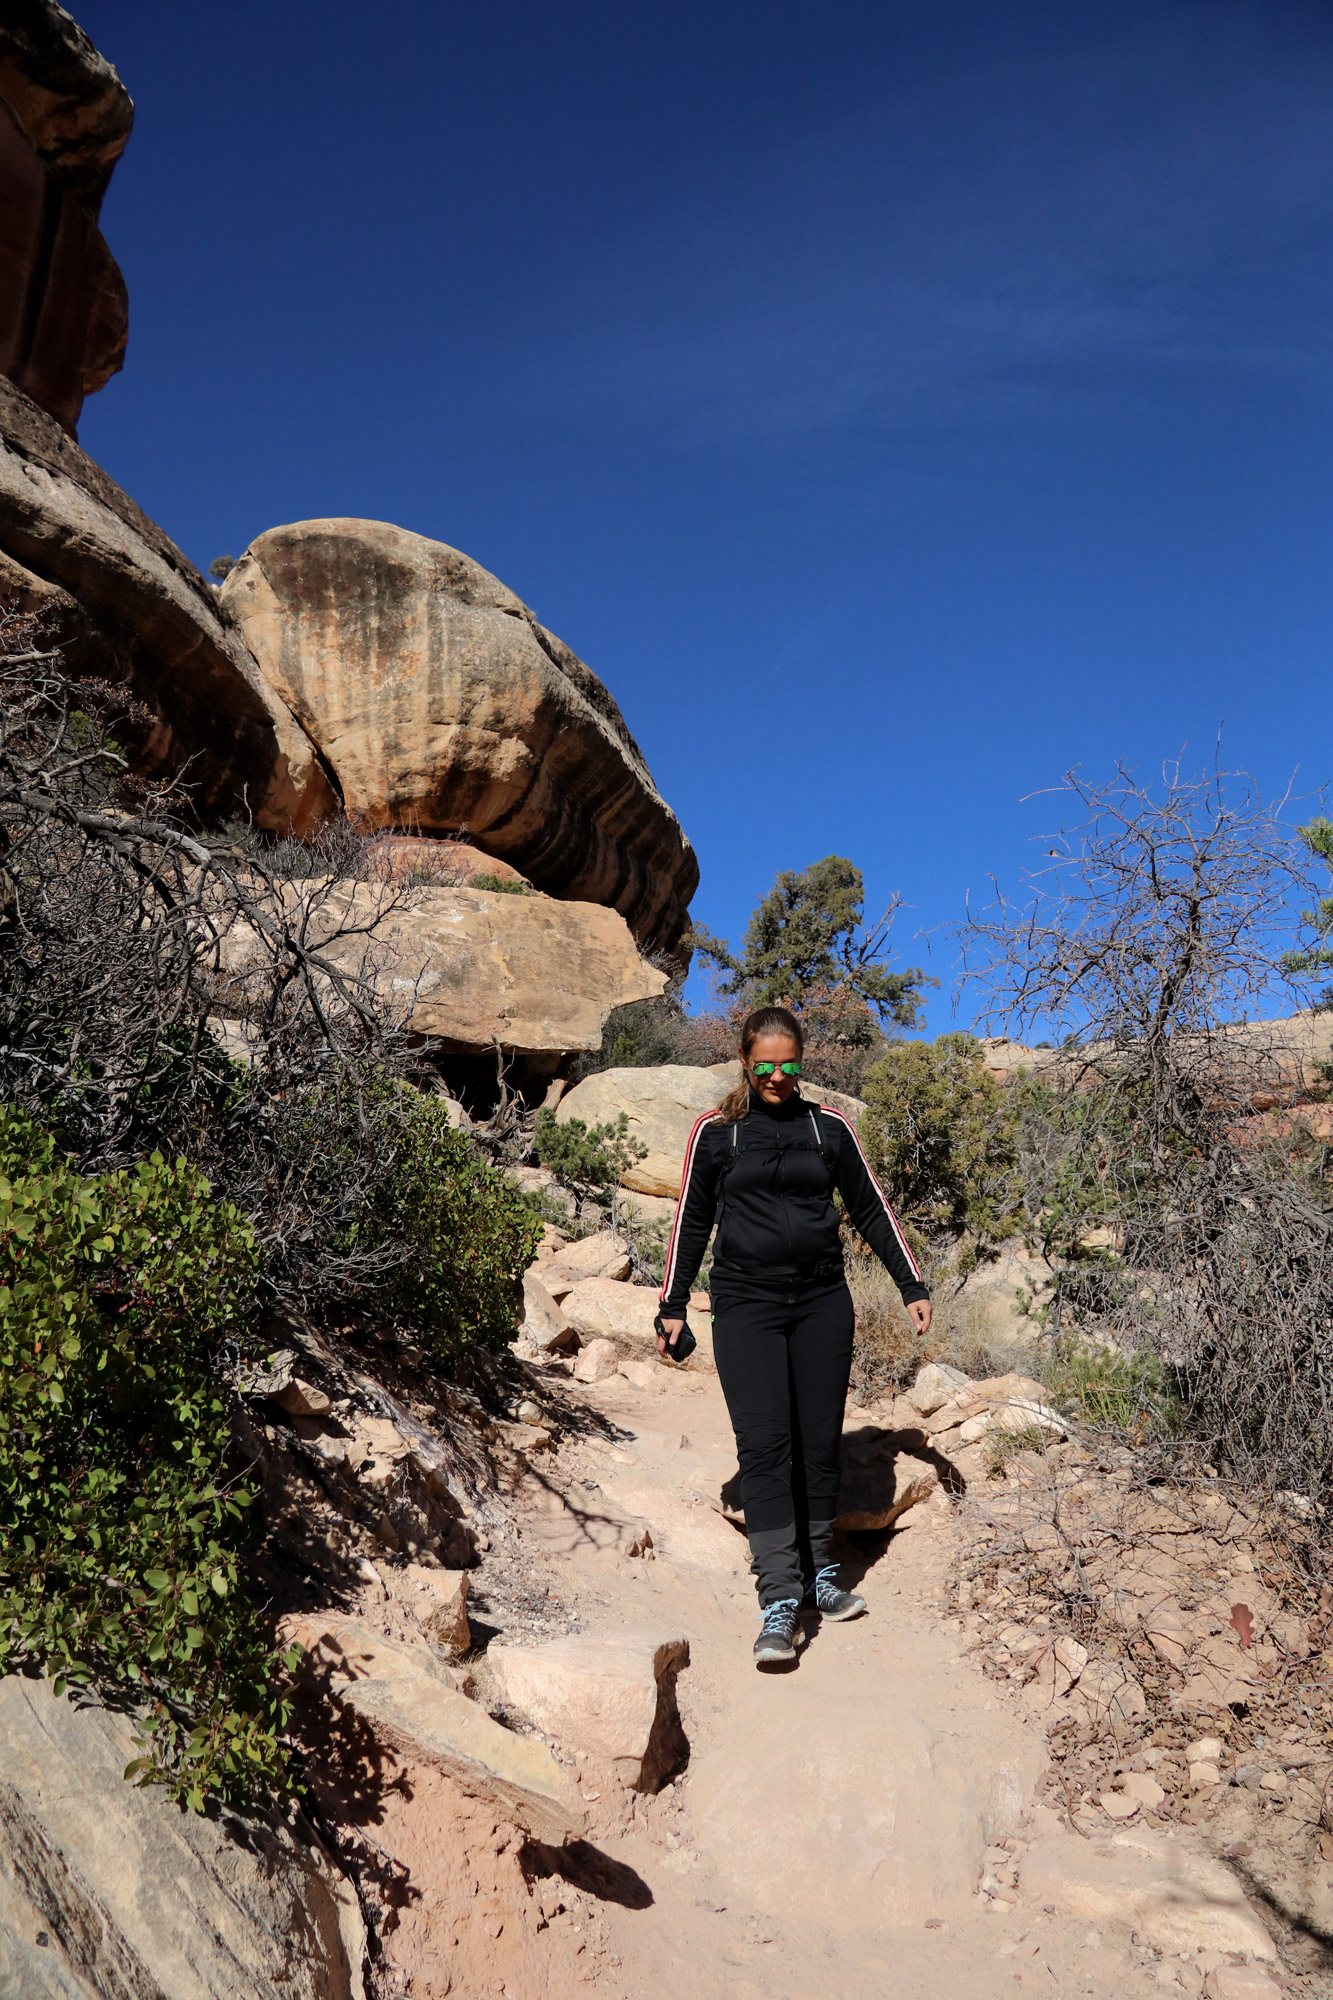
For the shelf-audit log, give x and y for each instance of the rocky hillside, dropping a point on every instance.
(1084, 1734)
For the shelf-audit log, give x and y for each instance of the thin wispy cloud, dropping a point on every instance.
(996, 240)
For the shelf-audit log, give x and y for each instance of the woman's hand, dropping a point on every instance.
(670, 1331)
(919, 1314)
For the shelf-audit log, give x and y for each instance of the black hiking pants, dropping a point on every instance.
(784, 1367)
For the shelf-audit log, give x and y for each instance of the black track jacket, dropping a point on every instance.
(776, 1171)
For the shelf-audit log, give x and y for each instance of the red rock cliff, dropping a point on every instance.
(64, 120)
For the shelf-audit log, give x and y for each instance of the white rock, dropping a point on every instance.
(302, 1399)
(611, 1695)
(401, 1694)
(934, 1386)
(543, 1322)
(599, 1360)
(604, 1306)
(603, 1255)
(1175, 1897)
(645, 1375)
(1239, 1982)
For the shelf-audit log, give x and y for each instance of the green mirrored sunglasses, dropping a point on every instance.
(767, 1069)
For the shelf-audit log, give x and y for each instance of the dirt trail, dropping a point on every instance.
(829, 1832)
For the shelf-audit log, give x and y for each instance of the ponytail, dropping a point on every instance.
(764, 1021)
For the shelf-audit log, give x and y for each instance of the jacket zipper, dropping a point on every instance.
(786, 1223)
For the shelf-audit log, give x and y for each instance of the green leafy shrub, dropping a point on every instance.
(941, 1136)
(119, 1529)
(1004, 1445)
(462, 1236)
(500, 885)
(582, 1157)
(1120, 1392)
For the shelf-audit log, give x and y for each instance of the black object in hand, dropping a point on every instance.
(684, 1344)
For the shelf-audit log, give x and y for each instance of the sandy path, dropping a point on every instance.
(827, 1835)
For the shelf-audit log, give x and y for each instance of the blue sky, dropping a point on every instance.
(896, 404)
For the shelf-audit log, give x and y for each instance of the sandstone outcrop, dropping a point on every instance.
(105, 1889)
(64, 120)
(440, 701)
(604, 1307)
(603, 1255)
(610, 1694)
(129, 607)
(661, 1105)
(474, 968)
(1175, 1897)
(401, 1696)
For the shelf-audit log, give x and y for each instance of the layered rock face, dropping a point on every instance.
(127, 605)
(64, 120)
(113, 592)
(105, 1889)
(473, 968)
(441, 702)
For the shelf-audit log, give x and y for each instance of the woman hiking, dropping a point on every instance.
(764, 1167)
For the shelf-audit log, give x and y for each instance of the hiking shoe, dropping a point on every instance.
(776, 1642)
(829, 1601)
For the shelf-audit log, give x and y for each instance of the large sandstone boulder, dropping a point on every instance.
(106, 1889)
(130, 607)
(612, 1695)
(64, 120)
(441, 702)
(475, 967)
(662, 1105)
(611, 1309)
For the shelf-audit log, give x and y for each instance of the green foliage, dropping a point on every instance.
(1121, 1392)
(647, 1033)
(464, 1234)
(806, 941)
(1004, 1444)
(118, 1527)
(221, 568)
(500, 884)
(584, 1157)
(941, 1135)
(1318, 956)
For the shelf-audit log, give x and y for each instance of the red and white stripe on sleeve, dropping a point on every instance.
(691, 1153)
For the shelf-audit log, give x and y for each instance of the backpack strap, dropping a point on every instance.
(825, 1150)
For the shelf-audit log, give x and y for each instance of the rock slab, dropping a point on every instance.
(399, 1692)
(612, 1695)
(474, 967)
(137, 1898)
(441, 701)
(612, 1309)
(1175, 1897)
